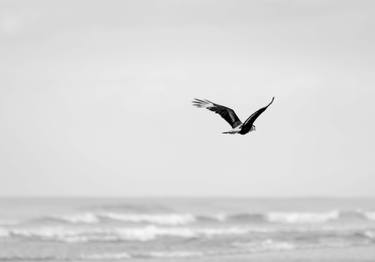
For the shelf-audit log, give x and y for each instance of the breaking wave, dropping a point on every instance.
(266, 245)
(106, 256)
(111, 256)
(370, 215)
(147, 233)
(302, 217)
(370, 234)
(151, 233)
(294, 217)
(182, 219)
(160, 219)
(84, 218)
(175, 254)
(130, 218)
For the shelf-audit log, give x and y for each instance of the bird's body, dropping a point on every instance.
(240, 130)
(233, 131)
(230, 116)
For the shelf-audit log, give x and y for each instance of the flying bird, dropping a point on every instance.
(230, 116)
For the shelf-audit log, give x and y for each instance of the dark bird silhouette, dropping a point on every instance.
(230, 116)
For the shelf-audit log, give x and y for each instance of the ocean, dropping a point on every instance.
(179, 229)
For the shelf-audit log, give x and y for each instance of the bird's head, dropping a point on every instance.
(253, 128)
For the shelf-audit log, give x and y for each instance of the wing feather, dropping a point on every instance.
(225, 112)
(250, 121)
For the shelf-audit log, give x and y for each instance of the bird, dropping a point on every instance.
(230, 116)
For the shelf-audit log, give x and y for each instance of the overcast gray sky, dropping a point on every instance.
(95, 97)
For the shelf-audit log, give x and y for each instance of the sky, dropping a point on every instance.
(95, 98)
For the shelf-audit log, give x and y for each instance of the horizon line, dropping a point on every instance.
(182, 197)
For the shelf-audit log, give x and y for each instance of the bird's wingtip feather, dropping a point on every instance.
(199, 102)
(273, 98)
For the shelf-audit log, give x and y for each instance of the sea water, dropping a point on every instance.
(52, 229)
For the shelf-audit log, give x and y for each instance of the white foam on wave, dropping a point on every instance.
(51, 233)
(147, 233)
(99, 234)
(87, 218)
(370, 234)
(220, 217)
(370, 215)
(111, 256)
(210, 232)
(175, 254)
(153, 254)
(266, 245)
(161, 219)
(152, 232)
(301, 217)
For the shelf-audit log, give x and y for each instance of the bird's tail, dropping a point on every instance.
(231, 132)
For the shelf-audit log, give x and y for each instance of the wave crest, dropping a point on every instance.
(111, 256)
(84, 218)
(266, 245)
(147, 233)
(175, 254)
(160, 219)
(370, 215)
(300, 217)
(279, 245)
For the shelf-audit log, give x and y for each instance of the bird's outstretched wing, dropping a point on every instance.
(227, 113)
(250, 121)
